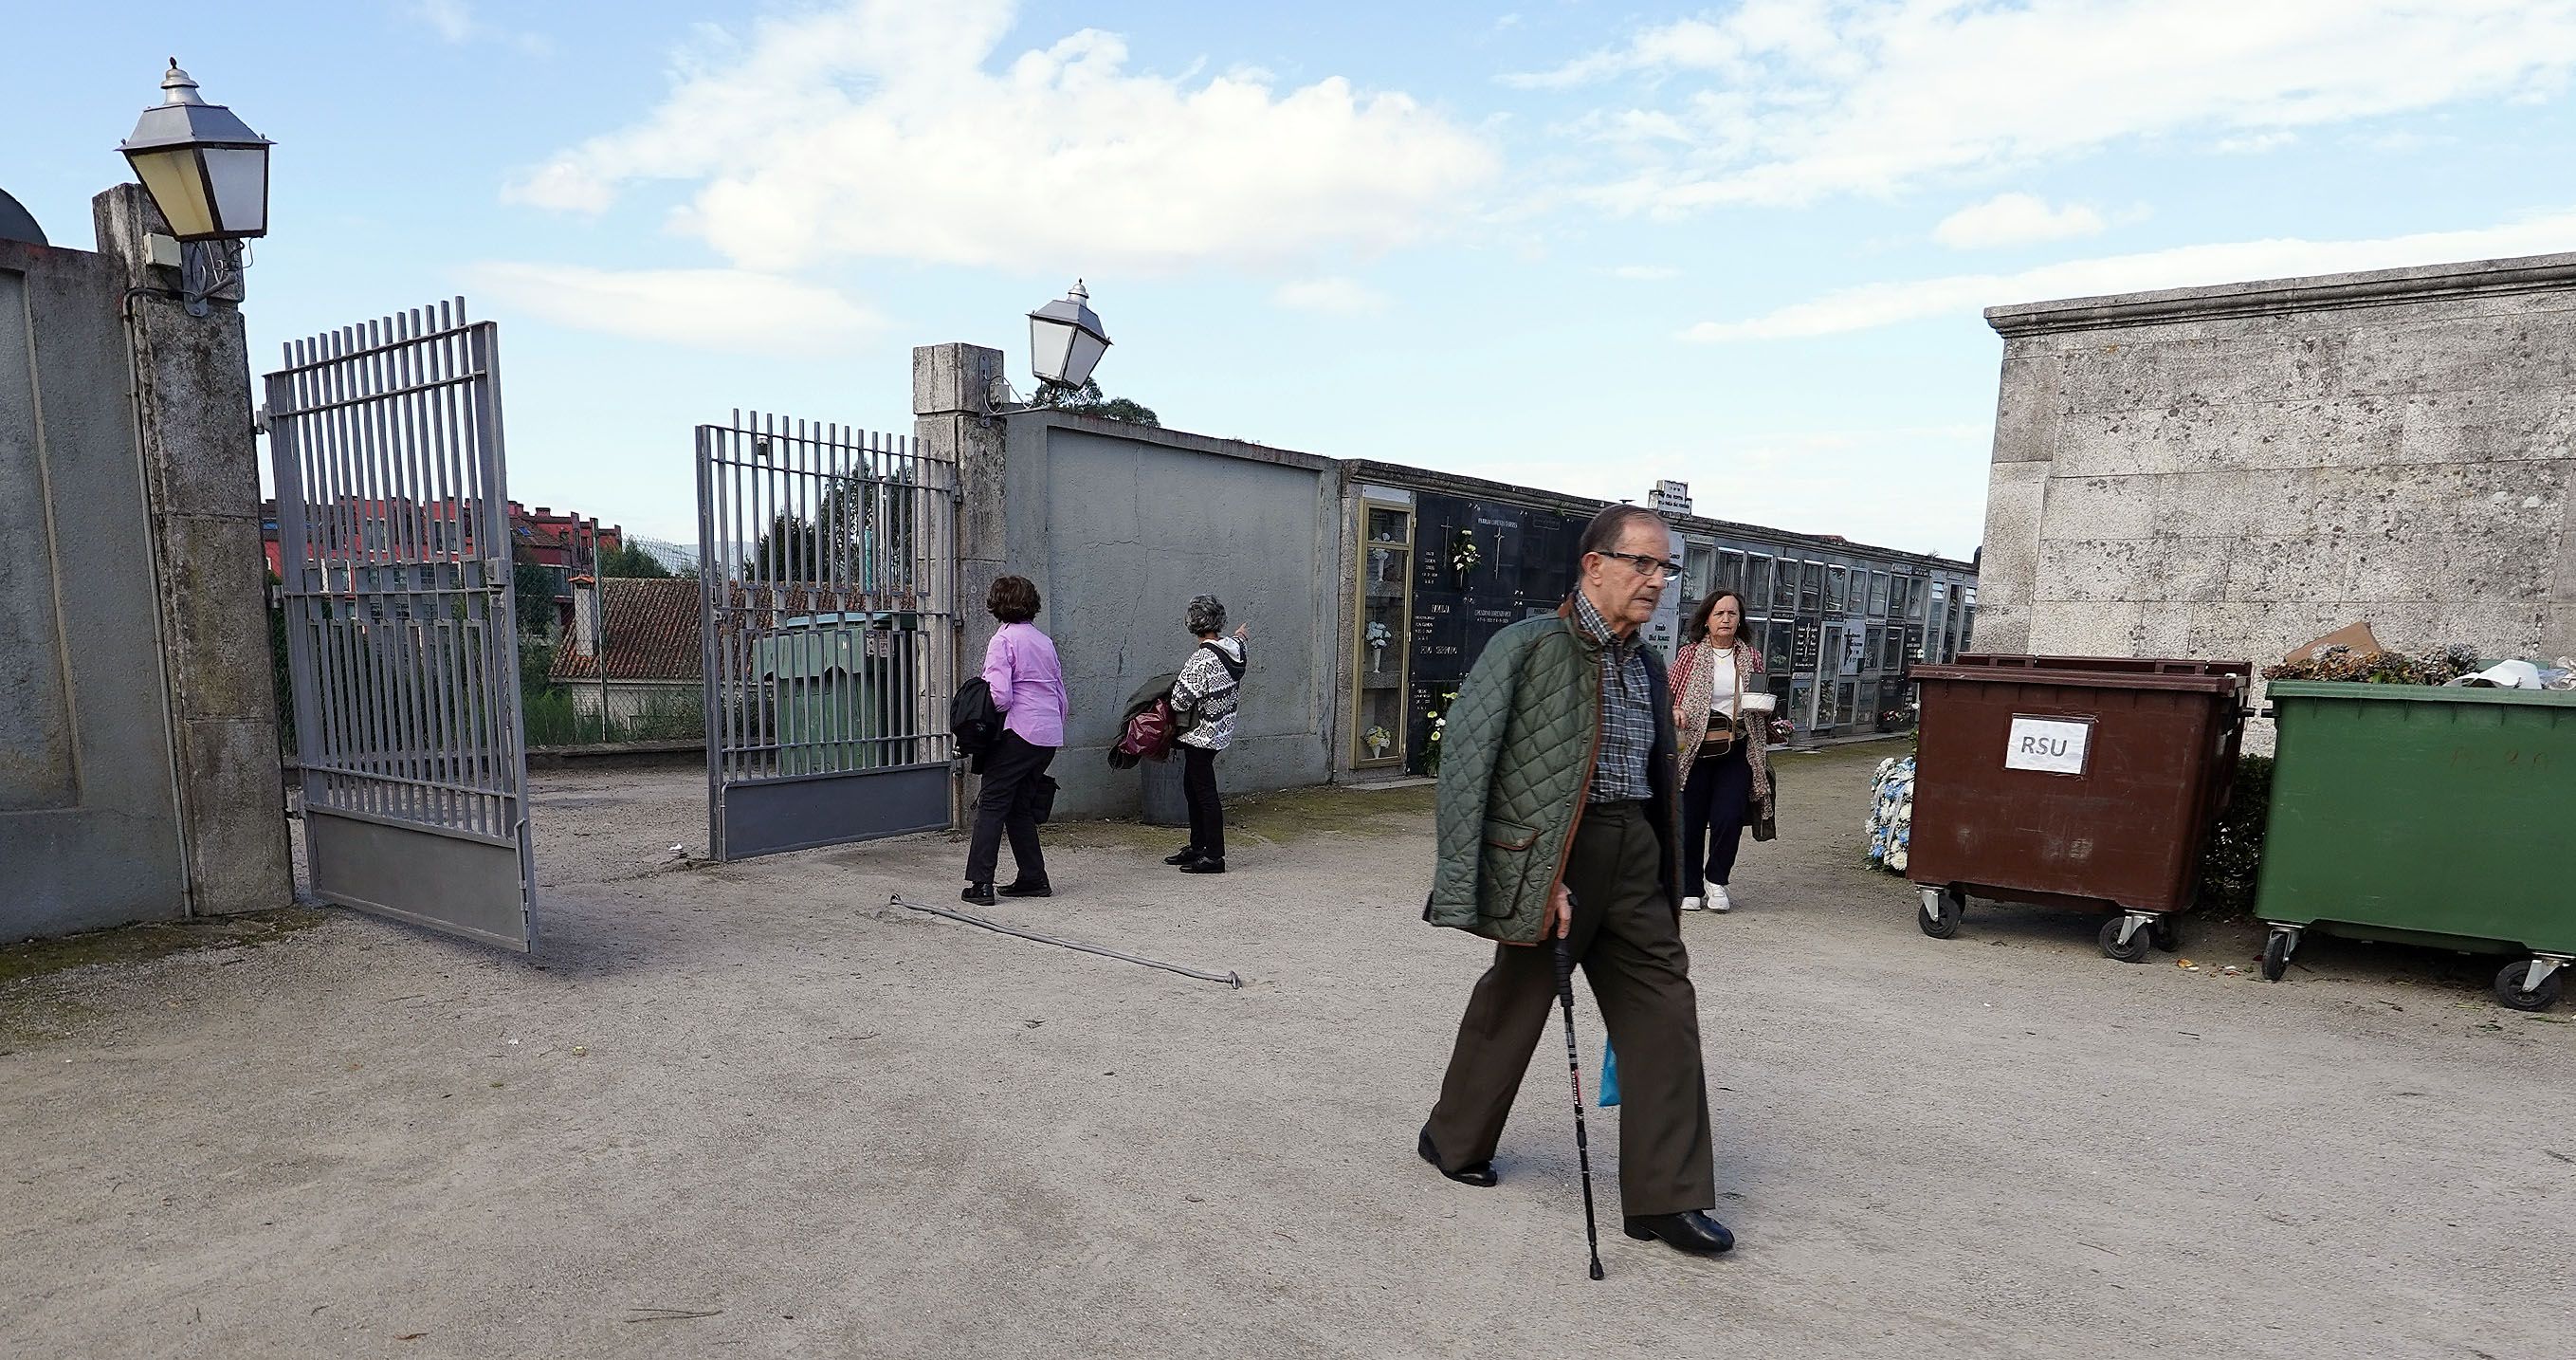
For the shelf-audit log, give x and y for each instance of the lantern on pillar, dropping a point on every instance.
(1065, 339)
(206, 170)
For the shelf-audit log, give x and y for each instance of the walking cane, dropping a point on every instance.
(1574, 1074)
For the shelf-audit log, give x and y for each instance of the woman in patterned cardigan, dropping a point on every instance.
(1728, 777)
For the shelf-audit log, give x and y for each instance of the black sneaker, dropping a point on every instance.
(1038, 889)
(981, 894)
(1189, 855)
(1204, 866)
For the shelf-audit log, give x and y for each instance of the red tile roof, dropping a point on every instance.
(652, 633)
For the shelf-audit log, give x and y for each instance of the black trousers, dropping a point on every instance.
(1716, 803)
(1207, 814)
(1003, 807)
(1628, 940)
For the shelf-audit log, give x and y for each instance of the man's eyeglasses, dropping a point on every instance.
(1649, 566)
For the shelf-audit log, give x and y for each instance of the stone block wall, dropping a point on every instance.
(2229, 472)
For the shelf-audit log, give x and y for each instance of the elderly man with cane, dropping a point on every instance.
(1559, 830)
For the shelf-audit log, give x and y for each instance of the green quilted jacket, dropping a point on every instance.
(1516, 757)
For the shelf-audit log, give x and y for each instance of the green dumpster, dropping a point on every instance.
(2428, 816)
(839, 690)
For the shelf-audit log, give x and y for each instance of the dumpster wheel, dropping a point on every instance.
(2131, 950)
(2514, 986)
(2166, 934)
(1940, 912)
(2276, 953)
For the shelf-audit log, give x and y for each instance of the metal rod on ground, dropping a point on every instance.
(1574, 1073)
(1228, 978)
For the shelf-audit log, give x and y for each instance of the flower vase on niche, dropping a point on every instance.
(1378, 636)
(1463, 557)
(1378, 739)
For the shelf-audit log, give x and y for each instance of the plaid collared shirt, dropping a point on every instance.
(1627, 710)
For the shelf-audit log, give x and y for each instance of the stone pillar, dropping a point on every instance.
(953, 419)
(201, 486)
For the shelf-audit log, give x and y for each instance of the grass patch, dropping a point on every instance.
(155, 940)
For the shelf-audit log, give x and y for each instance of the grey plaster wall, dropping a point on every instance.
(1120, 526)
(89, 818)
(2229, 472)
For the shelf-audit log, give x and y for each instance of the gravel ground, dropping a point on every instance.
(754, 1110)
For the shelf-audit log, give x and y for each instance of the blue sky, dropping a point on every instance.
(1579, 245)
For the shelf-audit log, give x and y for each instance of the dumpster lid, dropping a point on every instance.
(2219, 683)
(2144, 665)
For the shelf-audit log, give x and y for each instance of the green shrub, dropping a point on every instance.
(2229, 863)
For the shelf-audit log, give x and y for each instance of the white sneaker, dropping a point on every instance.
(1717, 898)
(1690, 904)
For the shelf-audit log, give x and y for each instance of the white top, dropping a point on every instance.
(1721, 703)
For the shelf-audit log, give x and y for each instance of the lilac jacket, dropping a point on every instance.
(1028, 683)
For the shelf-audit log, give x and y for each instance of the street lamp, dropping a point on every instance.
(208, 174)
(1065, 339)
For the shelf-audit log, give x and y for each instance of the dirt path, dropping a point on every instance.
(759, 1094)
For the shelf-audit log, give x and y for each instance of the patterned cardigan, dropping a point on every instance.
(1695, 689)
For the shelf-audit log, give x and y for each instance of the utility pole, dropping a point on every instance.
(599, 627)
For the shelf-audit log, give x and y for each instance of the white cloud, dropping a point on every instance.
(1331, 296)
(455, 21)
(1792, 101)
(1645, 273)
(2255, 143)
(897, 128)
(725, 309)
(1871, 306)
(2015, 220)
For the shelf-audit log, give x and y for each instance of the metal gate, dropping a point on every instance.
(393, 536)
(827, 584)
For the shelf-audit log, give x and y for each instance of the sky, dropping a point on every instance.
(1576, 245)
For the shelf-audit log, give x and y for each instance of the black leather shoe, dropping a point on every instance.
(1041, 888)
(981, 894)
(1480, 1175)
(1188, 855)
(1204, 866)
(1690, 1230)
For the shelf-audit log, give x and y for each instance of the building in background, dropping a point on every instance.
(1440, 563)
(396, 530)
(2228, 473)
(644, 635)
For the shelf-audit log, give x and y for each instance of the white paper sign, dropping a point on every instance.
(2048, 745)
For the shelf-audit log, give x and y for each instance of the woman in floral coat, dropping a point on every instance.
(1728, 780)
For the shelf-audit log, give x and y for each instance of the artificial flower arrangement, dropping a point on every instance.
(1379, 635)
(1378, 739)
(1463, 555)
(1891, 814)
(1439, 724)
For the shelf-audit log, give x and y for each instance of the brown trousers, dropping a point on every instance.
(1629, 945)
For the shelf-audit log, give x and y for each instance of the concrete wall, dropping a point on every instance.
(2229, 472)
(1120, 525)
(89, 818)
(139, 771)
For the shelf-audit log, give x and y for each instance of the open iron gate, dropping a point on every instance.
(827, 596)
(394, 558)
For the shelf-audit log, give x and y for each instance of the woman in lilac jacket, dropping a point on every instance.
(1028, 687)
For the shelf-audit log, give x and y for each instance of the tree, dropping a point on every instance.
(1087, 400)
(628, 560)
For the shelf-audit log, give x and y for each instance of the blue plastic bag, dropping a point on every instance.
(1609, 1075)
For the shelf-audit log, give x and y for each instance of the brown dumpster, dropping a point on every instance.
(2086, 782)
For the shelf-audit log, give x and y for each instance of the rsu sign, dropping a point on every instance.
(2047, 745)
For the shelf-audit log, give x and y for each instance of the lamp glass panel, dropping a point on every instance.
(171, 178)
(1049, 344)
(240, 178)
(1085, 354)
